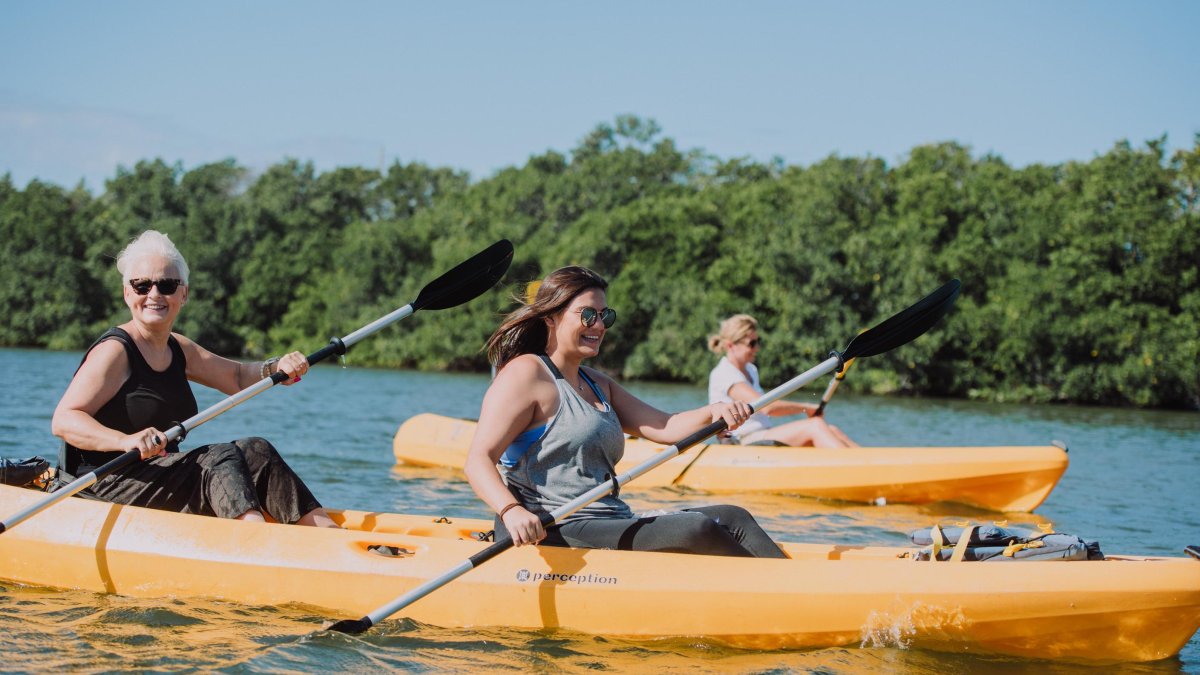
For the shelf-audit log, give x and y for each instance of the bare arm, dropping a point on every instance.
(521, 393)
(639, 418)
(229, 376)
(99, 379)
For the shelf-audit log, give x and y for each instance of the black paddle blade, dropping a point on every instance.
(906, 326)
(351, 626)
(468, 280)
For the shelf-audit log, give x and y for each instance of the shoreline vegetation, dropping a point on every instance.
(1080, 280)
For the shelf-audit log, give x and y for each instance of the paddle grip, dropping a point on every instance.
(126, 458)
(714, 428)
(335, 346)
(503, 543)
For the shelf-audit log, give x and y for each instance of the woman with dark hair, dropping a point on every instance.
(557, 430)
(134, 382)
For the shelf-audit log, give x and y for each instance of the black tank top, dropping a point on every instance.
(149, 398)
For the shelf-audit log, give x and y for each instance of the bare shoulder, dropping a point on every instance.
(526, 369)
(607, 384)
(523, 383)
(188, 345)
(98, 379)
(598, 376)
(107, 357)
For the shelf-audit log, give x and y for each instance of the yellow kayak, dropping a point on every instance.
(1011, 478)
(1125, 608)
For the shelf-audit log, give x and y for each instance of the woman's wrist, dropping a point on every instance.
(507, 509)
(268, 366)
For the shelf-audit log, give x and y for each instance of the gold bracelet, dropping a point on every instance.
(508, 508)
(268, 366)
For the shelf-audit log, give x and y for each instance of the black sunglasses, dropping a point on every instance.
(608, 316)
(753, 344)
(165, 286)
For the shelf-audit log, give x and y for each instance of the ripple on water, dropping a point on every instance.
(150, 617)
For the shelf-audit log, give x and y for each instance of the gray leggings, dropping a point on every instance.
(706, 530)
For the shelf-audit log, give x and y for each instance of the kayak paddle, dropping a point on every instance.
(898, 330)
(465, 282)
(833, 385)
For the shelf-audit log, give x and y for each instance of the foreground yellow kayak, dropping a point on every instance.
(1013, 478)
(1120, 609)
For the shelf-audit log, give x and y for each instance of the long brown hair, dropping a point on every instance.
(524, 331)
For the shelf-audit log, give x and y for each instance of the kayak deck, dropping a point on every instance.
(1009, 478)
(1126, 608)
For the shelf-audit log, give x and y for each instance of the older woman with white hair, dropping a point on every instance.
(735, 378)
(134, 382)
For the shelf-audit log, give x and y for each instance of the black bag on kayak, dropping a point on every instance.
(998, 543)
(22, 472)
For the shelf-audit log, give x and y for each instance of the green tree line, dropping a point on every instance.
(1079, 280)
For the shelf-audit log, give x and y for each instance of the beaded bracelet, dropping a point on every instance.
(506, 509)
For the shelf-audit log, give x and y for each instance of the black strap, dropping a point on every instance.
(553, 368)
(616, 490)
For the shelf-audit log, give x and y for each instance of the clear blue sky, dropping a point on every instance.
(88, 86)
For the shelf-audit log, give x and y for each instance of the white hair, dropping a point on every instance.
(151, 243)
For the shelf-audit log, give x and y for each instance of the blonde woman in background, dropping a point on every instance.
(735, 378)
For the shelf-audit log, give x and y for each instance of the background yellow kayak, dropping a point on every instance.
(1001, 478)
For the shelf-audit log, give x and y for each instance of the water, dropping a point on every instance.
(1128, 486)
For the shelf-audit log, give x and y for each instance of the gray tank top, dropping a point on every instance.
(577, 452)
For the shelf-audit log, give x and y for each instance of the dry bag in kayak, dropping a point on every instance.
(997, 543)
(22, 472)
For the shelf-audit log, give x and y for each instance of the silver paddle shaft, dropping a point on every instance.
(377, 324)
(833, 385)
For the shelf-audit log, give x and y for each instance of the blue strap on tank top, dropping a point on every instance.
(520, 445)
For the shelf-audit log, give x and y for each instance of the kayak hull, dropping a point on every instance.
(1011, 478)
(1121, 609)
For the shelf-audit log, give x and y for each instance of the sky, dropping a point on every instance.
(86, 87)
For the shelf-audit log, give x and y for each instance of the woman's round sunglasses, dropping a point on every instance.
(165, 286)
(608, 316)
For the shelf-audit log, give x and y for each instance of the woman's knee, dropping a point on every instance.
(222, 453)
(693, 526)
(728, 514)
(257, 451)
